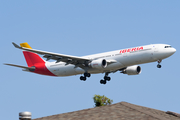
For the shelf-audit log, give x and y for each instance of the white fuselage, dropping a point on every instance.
(119, 58)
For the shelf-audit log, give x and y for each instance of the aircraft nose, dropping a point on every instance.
(172, 51)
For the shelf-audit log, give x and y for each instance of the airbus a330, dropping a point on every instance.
(124, 60)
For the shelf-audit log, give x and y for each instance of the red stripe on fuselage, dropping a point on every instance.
(33, 59)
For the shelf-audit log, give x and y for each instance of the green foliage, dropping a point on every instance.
(101, 100)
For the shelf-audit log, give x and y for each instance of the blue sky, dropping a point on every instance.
(81, 28)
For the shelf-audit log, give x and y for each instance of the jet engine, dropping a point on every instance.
(132, 70)
(99, 63)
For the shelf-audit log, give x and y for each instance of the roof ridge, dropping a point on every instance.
(145, 112)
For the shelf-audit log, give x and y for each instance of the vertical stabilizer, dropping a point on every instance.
(35, 63)
(31, 58)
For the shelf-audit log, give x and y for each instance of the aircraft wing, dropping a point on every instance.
(58, 57)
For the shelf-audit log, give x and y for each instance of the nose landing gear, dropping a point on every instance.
(159, 66)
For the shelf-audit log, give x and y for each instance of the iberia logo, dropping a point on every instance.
(131, 49)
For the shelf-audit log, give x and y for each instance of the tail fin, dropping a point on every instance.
(31, 58)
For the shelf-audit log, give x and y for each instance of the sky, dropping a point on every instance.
(82, 28)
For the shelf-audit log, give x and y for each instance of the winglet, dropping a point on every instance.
(26, 45)
(15, 45)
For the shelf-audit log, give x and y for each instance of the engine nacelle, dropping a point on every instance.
(132, 70)
(99, 64)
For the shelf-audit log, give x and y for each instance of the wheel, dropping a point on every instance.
(87, 74)
(102, 81)
(83, 78)
(107, 78)
(159, 66)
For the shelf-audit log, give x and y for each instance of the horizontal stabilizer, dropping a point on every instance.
(28, 68)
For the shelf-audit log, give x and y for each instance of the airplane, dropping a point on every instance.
(124, 60)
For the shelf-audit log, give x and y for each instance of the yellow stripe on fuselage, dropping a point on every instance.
(26, 45)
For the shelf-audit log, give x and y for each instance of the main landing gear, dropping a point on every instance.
(159, 66)
(85, 76)
(106, 78)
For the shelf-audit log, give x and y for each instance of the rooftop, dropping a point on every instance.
(122, 110)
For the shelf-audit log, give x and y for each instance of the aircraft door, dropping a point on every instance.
(156, 49)
(156, 54)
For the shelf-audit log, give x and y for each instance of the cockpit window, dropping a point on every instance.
(168, 47)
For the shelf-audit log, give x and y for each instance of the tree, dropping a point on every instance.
(101, 100)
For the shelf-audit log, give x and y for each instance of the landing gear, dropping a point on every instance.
(159, 66)
(103, 81)
(83, 78)
(106, 78)
(85, 75)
